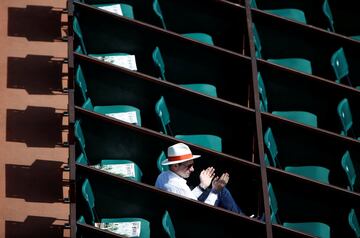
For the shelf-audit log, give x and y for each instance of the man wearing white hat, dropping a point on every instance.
(180, 162)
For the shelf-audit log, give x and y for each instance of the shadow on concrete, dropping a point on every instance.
(34, 226)
(35, 126)
(40, 182)
(36, 23)
(34, 73)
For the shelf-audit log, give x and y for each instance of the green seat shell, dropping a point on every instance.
(303, 117)
(160, 159)
(344, 113)
(318, 229)
(89, 198)
(206, 89)
(354, 223)
(205, 140)
(340, 65)
(348, 166)
(298, 64)
(289, 13)
(355, 37)
(316, 173)
(168, 225)
(328, 14)
(201, 37)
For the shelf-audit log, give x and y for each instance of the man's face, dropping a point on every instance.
(185, 169)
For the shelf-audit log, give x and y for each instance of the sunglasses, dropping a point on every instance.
(187, 166)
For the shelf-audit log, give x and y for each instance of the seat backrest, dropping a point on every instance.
(82, 159)
(354, 223)
(159, 62)
(81, 83)
(257, 42)
(78, 34)
(253, 4)
(88, 105)
(81, 220)
(340, 64)
(88, 195)
(157, 10)
(163, 114)
(262, 92)
(344, 113)
(273, 204)
(270, 144)
(349, 169)
(327, 11)
(79, 135)
(160, 159)
(168, 225)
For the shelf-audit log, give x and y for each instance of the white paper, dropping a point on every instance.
(126, 61)
(114, 8)
(130, 229)
(125, 116)
(125, 170)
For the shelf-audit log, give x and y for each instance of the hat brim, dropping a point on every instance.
(167, 162)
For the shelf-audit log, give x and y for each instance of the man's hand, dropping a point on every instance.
(220, 183)
(206, 176)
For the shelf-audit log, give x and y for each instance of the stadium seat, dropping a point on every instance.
(349, 169)
(121, 9)
(344, 113)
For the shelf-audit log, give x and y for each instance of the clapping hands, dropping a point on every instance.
(207, 177)
(220, 183)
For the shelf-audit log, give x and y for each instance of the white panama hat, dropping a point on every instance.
(179, 153)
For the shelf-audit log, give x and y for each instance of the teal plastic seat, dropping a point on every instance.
(201, 37)
(206, 89)
(328, 13)
(349, 169)
(303, 117)
(298, 64)
(160, 159)
(344, 112)
(205, 140)
(88, 195)
(105, 110)
(317, 229)
(82, 158)
(288, 13)
(83, 50)
(340, 66)
(317, 173)
(354, 223)
(168, 225)
(355, 37)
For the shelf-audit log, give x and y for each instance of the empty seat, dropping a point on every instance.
(168, 225)
(349, 169)
(136, 225)
(125, 113)
(298, 64)
(201, 37)
(205, 140)
(317, 173)
(121, 59)
(121, 9)
(289, 13)
(354, 223)
(317, 229)
(124, 168)
(327, 12)
(306, 118)
(341, 68)
(344, 113)
(207, 89)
